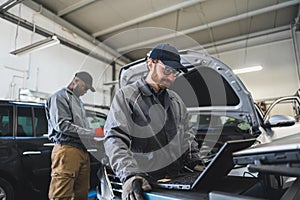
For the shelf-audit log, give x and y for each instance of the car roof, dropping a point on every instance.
(15, 102)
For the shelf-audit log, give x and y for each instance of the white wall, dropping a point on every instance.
(48, 69)
(279, 75)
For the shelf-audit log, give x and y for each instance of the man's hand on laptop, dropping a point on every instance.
(134, 187)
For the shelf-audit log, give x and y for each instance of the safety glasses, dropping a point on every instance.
(168, 70)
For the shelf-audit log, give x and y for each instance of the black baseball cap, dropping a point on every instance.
(168, 55)
(87, 78)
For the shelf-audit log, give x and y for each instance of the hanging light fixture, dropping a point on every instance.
(48, 42)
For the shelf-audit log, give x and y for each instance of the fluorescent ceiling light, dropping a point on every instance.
(247, 69)
(48, 42)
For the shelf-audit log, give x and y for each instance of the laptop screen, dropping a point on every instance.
(218, 168)
(221, 164)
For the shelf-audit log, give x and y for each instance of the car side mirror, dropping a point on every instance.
(280, 120)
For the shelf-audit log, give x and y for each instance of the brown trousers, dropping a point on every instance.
(70, 175)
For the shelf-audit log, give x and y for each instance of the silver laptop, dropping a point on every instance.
(283, 150)
(217, 168)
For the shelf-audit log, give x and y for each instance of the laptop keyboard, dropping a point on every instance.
(184, 178)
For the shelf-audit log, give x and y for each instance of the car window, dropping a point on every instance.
(40, 122)
(214, 130)
(6, 114)
(95, 120)
(24, 122)
(207, 122)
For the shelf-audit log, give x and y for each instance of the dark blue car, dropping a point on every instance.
(25, 150)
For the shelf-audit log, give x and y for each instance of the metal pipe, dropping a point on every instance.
(13, 85)
(9, 4)
(295, 32)
(39, 30)
(36, 7)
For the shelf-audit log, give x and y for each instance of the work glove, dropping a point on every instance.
(134, 187)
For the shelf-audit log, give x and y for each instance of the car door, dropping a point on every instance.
(285, 112)
(97, 152)
(34, 146)
(10, 164)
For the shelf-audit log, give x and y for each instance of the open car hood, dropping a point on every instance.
(209, 87)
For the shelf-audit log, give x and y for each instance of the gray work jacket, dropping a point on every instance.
(144, 136)
(67, 123)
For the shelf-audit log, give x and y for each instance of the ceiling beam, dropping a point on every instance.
(148, 17)
(74, 7)
(253, 39)
(210, 25)
(53, 17)
(9, 4)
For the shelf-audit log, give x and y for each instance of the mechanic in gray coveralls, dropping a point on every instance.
(147, 131)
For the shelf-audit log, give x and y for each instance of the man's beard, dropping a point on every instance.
(162, 83)
(77, 92)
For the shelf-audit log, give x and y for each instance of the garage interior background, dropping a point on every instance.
(99, 35)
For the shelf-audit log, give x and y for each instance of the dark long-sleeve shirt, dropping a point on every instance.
(67, 122)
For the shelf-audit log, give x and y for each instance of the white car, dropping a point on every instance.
(220, 106)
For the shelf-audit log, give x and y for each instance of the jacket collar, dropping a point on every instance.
(144, 87)
(147, 90)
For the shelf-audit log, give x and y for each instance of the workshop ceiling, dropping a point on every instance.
(132, 27)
